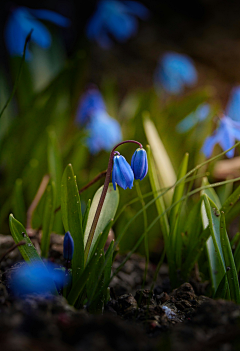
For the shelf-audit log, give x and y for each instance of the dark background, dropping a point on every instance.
(207, 30)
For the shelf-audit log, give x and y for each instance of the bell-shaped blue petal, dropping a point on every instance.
(116, 19)
(174, 72)
(68, 247)
(19, 24)
(233, 106)
(36, 278)
(225, 135)
(139, 163)
(51, 16)
(90, 102)
(122, 173)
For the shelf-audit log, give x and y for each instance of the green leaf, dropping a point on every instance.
(224, 192)
(194, 252)
(163, 164)
(229, 262)
(175, 235)
(102, 282)
(48, 217)
(28, 251)
(85, 215)
(72, 218)
(211, 193)
(178, 193)
(232, 199)
(222, 288)
(194, 226)
(102, 238)
(54, 162)
(156, 190)
(214, 247)
(18, 201)
(109, 261)
(237, 257)
(108, 212)
(235, 240)
(83, 278)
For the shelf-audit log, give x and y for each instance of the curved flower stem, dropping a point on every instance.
(103, 195)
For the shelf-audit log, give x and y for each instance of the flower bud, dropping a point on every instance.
(139, 163)
(68, 247)
(122, 173)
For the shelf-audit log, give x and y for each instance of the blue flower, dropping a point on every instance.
(139, 164)
(174, 72)
(122, 173)
(117, 19)
(233, 106)
(225, 135)
(68, 247)
(199, 115)
(104, 132)
(36, 278)
(90, 102)
(22, 20)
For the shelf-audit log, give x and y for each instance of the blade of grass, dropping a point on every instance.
(229, 262)
(72, 218)
(164, 166)
(156, 189)
(48, 218)
(28, 251)
(214, 247)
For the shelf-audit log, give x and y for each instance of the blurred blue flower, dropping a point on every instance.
(199, 115)
(104, 132)
(233, 106)
(115, 19)
(122, 173)
(90, 102)
(22, 20)
(225, 135)
(139, 163)
(36, 278)
(174, 72)
(68, 247)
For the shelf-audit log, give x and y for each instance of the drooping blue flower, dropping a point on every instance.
(225, 135)
(104, 132)
(68, 247)
(22, 20)
(122, 173)
(117, 19)
(233, 106)
(139, 163)
(90, 102)
(36, 278)
(174, 72)
(199, 115)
